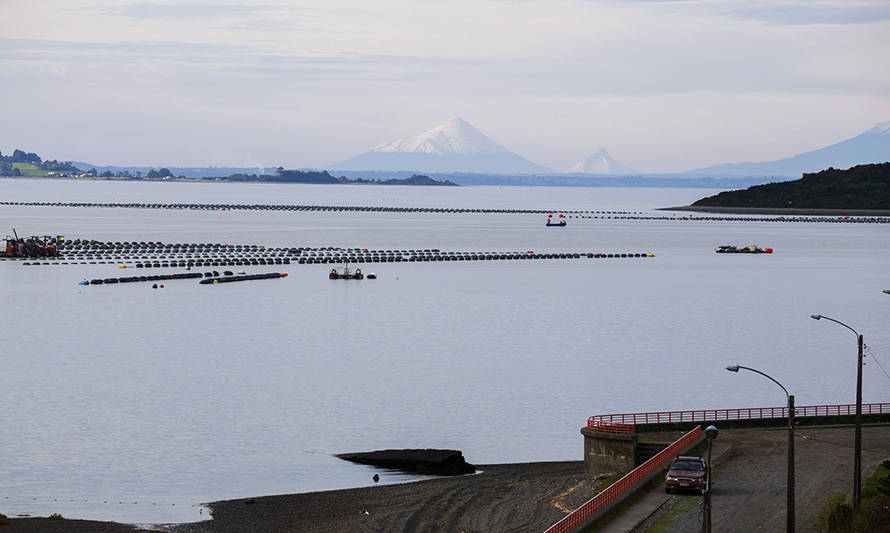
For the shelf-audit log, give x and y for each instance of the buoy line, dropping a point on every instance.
(570, 213)
(329, 208)
(104, 501)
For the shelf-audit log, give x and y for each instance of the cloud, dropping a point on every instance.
(191, 11)
(801, 14)
(199, 59)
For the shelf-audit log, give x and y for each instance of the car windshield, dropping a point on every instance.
(687, 465)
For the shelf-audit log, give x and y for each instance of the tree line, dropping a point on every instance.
(20, 156)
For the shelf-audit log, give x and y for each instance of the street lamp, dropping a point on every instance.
(789, 521)
(857, 446)
(711, 434)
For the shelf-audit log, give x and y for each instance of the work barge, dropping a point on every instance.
(34, 246)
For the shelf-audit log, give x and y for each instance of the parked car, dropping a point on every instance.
(686, 473)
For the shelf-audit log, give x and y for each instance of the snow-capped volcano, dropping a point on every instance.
(453, 146)
(600, 163)
(454, 136)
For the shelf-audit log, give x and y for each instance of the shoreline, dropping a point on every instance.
(515, 497)
(780, 211)
(501, 497)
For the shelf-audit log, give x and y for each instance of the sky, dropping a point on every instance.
(665, 86)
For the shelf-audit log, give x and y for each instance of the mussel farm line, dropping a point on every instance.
(208, 278)
(569, 213)
(329, 208)
(161, 255)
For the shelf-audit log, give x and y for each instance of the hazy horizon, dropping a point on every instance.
(665, 86)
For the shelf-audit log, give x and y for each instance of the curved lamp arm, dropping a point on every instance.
(735, 368)
(820, 317)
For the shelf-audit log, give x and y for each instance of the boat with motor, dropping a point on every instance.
(346, 273)
(561, 220)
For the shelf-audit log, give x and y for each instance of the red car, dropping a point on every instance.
(686, 473)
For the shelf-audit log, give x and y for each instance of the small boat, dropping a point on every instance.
(372, 276)
(752, 249)
(550, 222)
(346, 273)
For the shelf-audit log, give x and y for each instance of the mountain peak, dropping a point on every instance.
(454, 136)
(882, 128)
(870, 146)
(601, 162)
(452, 146)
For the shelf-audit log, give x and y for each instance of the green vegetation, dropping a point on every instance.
(681, 507)
(27, 169)
(22, 163)
(655, 484)
(54, 516)
(860, 187)
(873, 514)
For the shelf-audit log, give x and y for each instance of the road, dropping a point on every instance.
(749, 485)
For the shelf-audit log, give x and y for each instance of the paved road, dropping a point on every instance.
(750, 476)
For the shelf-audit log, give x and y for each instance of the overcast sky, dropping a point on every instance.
(664, 85)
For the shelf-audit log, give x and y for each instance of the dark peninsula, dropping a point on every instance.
(312, 176)
(863, 188)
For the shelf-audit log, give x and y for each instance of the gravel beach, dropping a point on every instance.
(505, 497)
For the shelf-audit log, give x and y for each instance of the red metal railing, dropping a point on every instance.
(748, 413)
(611, 427)
(581, 514)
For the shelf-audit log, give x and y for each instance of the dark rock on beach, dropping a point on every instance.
(429, 461)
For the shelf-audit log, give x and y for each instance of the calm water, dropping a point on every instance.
(196, 393)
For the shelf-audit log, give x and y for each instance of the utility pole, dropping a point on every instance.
(789, 521)
(857, 457)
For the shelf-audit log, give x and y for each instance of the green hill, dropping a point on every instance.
(860, 187)
(27, 169)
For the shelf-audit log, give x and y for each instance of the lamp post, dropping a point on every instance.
(857, 446)
(711, 434)
(789, 520)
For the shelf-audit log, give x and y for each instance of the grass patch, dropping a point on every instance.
(683, 506)
(655, 484)
(873, 515)
(27, 169)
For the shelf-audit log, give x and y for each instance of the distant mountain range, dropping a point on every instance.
(453, 146)
(871, 146)
(458, 151)
(600, 163)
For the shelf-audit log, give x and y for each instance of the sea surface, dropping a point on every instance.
(126, 403)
